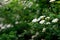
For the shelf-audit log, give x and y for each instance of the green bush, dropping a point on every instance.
(30, 20)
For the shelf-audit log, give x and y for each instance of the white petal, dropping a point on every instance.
(2, 27)
(55, 20)
(47, 18)
(16, 22)
(34, 20)
(42, 22)
(48, 23)
(51, 0)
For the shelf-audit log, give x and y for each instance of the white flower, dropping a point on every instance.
(38, 19)
(0, 5)
(55, 20)
(16, 22)
(19, 35)
(2, 27)
(51, 0)
(9, 25)
(42, 22)
(33, 36)
(23, 2)
(41, 17)
(34, 20)
(6, 2)
(44, 29)
(47, 18)
(48, 23)
(29, 4)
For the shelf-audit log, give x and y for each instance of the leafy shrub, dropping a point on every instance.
(30, 20)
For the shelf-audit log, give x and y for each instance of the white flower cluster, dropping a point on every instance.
(16, 22)
(55, 20)
(5, 26)
(35, 20)
(41, 17)
(26, 3)
(51, 0)
(29, 4)
(22, 2)
(42, 20)
(5, 1)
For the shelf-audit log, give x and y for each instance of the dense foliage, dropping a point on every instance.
(30, 20)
